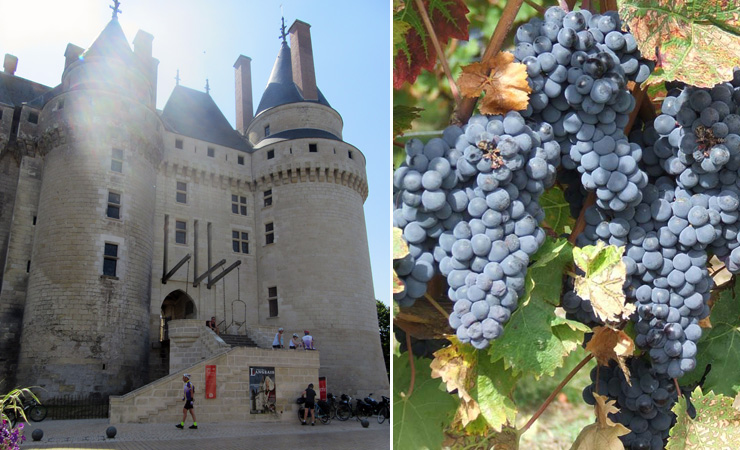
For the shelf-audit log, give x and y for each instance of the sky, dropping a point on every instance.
(202, 39)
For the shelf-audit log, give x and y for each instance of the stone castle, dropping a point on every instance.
(119, 221)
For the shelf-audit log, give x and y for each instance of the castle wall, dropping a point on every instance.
(85, 332)
(294, 116)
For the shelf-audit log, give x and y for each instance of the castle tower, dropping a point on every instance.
(314, 258)
(85, 324)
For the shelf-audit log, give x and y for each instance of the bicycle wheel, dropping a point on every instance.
(343, 412)
(37, 413)
(325, 418)
(300, 413)
(382, 414)
(362, 413)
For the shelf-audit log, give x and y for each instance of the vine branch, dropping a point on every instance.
(465, 107)
(540, 9)
(410, 351)
(436, 305)
(556, 391)
(438, 49)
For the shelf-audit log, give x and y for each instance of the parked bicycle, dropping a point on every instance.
(32, 409)
(321, 410)
(384, 410)
(344, 408)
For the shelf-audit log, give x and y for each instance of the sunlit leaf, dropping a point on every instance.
(717, 423)
(697, 40)
(503, 81)
(602, 283)
(604, 434)
(400, 247)
(557, 211)
(457, 366)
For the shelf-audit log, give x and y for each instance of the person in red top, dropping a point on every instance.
(189, 397)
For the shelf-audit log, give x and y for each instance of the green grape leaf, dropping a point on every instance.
(547, 270)
(694, 41)
(419, 419)
(717, 423)
(400, 28)
(493, 389)
(416, 52)
(402, 118)
(557, 211)
(720, 347)
(535, 340)
(605, 274)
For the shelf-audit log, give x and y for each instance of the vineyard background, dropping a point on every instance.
(694, 42)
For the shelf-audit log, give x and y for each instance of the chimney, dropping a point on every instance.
(243, 75)
(71, 54)
(301, 55)
(10, 64)
(143, 51)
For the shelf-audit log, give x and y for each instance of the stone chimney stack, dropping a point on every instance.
(10, 64)
(301, 56)
(71, 54)
(143, 51)
(243, 75)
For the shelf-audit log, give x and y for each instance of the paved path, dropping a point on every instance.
(90, 434)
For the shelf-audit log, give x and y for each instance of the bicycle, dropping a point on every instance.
(323, 415)
(31, 409)
(384, 411)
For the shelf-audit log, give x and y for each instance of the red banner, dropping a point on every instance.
(322, 388)
(211, 381)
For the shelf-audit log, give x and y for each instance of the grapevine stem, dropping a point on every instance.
(564, 5)
(602, 6)
(581, 222)
(540, 9)
(586, 4)
(438, 49)
(466, 106)
(411, 363)
(611, 5)
(556, 391)
(678, 388)
(436, 305)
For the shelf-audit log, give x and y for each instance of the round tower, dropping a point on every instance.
(311, 186)
(86, 320)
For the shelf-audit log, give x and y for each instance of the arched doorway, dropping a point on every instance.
(177, 305)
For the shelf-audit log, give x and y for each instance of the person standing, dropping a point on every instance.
(308, 341)
(189, 397)
(295, 342)
(278, 341)
(310, 395)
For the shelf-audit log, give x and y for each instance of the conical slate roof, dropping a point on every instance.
(194, 114)
(280, 88)
(111, 43)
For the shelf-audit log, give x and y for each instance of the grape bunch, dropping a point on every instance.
(578, 66)
(644, 403)
(483, 227)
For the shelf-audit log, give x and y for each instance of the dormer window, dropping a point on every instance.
(270, 154)
(33, 117)
(267, 130)
(178, 143)
(313, 148)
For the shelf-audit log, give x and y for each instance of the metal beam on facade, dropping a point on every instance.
(208, 272)
(223, 274)
(169, 274)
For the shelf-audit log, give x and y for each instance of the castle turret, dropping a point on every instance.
(314, 251)
(86, 318)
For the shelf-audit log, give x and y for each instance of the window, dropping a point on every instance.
(211, 152)
(239, 205)
(59, 105)
(267, 130)
(178, 143)
(116, 160)
(268, 197)
(313, 148)
(181, 232)
(1, 114)
(269, 233)
(270, 154)
(272, 301)
(182, 192)
(110, 260)
(349, 153)
(240, 242)
(114, 205)
(240, 160)
(33, 117)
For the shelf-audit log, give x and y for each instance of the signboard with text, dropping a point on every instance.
(261, 390)
(210, 381)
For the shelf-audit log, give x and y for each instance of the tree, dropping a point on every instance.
(384, 321)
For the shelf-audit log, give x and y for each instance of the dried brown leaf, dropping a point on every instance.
(456, 365)
(503, 81)
(605, 274)
(604, 434)
(608, 344)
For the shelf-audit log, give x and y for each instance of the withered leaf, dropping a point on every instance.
(605, 274)
(604, 434)
(456, 366)
(503, 81)
(608, 344)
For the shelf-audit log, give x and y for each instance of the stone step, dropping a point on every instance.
(238, 340)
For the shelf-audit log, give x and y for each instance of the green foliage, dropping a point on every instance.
(419, 419)
(535, 340)
(384, 323)
(557, 211)
(593, 259)
(717, 423)
(697, 40)
(719, 347)
(493, 391)
(402, 118)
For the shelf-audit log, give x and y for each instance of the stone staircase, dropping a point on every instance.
(235, 340)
